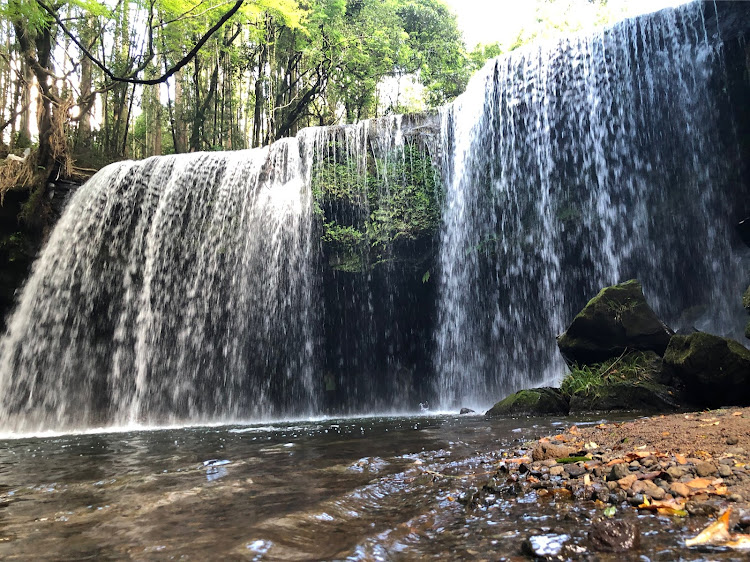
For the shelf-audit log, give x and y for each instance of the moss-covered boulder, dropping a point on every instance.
(616, 320)
(641, 396)
(531, 402)
(631, 382)
(714, 371)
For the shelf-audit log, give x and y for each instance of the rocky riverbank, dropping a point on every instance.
(675, 466)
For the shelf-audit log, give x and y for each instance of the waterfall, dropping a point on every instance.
(370, 267)
(573, 165)
(164, 295)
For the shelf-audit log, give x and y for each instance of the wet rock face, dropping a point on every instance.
(714, 371)
(531, 402)
(615, 320)
(612, 535)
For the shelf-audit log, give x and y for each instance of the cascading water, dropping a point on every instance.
(336, 272)
(165, 293)
(574, 165)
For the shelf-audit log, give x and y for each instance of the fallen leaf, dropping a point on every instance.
(586, 480)
(699, 483)
(716, 532)
(665, 507)
(738, 542)
(720, 491)
(615, 461)
(451, 499)
(737, 413)
(680, 459)
(665, 434)
(590, 446)
(574, 430)
(610, 511)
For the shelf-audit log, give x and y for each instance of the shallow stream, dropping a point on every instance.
(381, 488)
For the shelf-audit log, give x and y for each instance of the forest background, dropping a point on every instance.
(84, 83)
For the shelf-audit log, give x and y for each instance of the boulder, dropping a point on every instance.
(642, 396)
(615, 320)
(531, 402)
(714, 371)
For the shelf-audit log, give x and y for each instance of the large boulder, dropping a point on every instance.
(616, 320)
(643, 396)
(714, 371)
(531, 402)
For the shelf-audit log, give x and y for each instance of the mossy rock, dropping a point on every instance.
(531, 402)
(715, 371)
(616, 320)
(641, 396)
(746, 299)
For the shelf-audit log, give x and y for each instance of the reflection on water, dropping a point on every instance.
(359, 489)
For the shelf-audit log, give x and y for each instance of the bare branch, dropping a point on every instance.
(131, 79)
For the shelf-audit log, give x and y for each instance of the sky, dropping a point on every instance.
(489, 21)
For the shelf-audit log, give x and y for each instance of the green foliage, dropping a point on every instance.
(587, 379)
(365, 207)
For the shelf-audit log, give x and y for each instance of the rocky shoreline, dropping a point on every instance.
(679, 466)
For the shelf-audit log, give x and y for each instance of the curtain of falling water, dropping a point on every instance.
(165, 295)
(571, 166)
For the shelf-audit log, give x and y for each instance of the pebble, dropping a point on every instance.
(724, 471)
(679, 489)
(575, 470)
(556, 471)
(618, 472)
(732, 440)
(705, 469)
(675, 472)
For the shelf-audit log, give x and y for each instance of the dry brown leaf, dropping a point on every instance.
(574, 430)
(737, 413)
(615, 461)
(716, 532)
(699, 483)
(680, 459)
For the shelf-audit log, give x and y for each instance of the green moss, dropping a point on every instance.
(367, 206)
(746, 299)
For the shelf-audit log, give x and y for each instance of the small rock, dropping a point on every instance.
(465, 411)
(549, 462)
(724, 471)
(575, 470)
(701, 508)
(626, 482)
(732, 440)
(556, 470)
(618, 496)
(524, 468)
(679, 489)
(636, 500)
(635, 465)
(736, 498)
(618, 472)
(610, 535)
(647, 487)
(675, 472)
(544, 451)
(705, 469)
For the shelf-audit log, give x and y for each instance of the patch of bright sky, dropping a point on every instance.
(490, 21)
